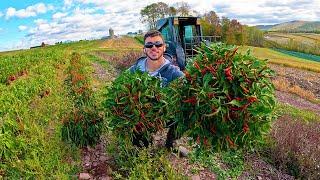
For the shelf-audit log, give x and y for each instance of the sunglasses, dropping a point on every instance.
(150, 44)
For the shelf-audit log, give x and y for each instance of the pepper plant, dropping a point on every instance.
(136, 105)
(84, 125)
(225, 100)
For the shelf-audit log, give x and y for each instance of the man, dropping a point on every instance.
(157, 65)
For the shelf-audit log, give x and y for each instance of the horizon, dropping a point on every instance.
(26, 24)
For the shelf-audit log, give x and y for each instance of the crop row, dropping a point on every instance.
(83, 125)
(16, 64)
(30, 110)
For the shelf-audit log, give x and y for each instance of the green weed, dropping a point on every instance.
(225, 164)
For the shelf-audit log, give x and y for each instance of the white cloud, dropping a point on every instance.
(95, 17)
(50, 7)
(22, 27)
(59, 15)
(1, 14)
(268, 11)
(68, 3)
(82, 24)
(30, 11)
(40, 21)
(10, 12)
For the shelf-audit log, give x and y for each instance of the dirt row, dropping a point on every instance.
(307, 80)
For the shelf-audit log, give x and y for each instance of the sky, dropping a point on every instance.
(29, 22)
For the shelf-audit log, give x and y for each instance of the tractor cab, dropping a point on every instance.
(182, 35)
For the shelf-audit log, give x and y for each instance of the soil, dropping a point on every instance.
(102, 74)
(257, 168)
(95, 161)
(305, 79)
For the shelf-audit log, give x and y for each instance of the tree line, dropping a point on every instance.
(231, 31)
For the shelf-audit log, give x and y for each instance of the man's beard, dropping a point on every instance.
(154, 59)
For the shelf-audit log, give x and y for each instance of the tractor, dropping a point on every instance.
(182, 35)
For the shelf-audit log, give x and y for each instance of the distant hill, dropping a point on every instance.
(265, 27)
(293, 26)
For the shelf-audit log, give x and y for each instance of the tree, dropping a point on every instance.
(232, 31)
(172, 11)
(163, 9)
(237, 31)
(210, 23)
(183, 9)
(253, 36)
(226, 33)
(151, 13)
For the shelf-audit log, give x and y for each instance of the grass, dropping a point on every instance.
(226, 165)
(144, 163)
(282, 59)
(304, 115)
(310, 57)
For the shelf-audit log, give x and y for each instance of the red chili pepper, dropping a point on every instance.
(192, 100)
(213, 129)
(211, 95)
(234, 52)
(245, 106)
(135, 98)
(12, 78)
(219, 61)
(248, 81)
(196, 65)
(230, 141)
(251, 99)
(227, 55)
(228, 74)
(142, 115)
(204, 71)
(188, 76)
(235, 108)
(158, 97)
(211, 69)
(228, 96)
(205, 141)
(245, 90)
(150, 124)
(245, 128)
(139, 126)
(198, 140)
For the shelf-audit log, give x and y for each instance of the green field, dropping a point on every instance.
(301, 42)
(276, 57)
(307, 38)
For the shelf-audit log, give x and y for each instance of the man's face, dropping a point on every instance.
(154, 47)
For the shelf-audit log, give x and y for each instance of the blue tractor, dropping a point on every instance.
(182, 35)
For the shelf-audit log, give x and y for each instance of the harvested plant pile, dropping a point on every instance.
(226, 99)
(136, 105)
